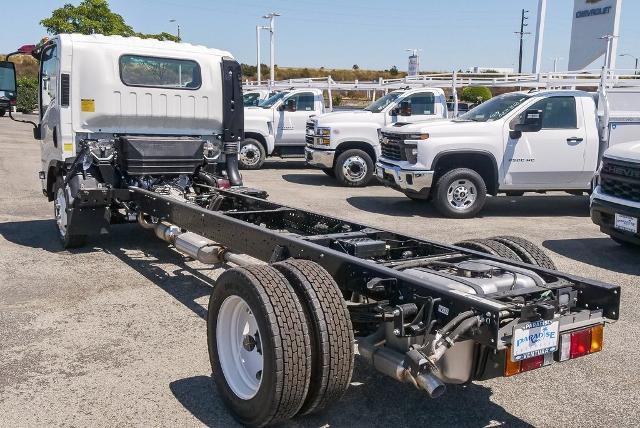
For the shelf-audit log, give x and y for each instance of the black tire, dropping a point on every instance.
(330, 172)
(252, 154)
(527, 251)
(353, 168)
(2, 112)
(285, 344)
(445, 186)
(331, 332)
(67, 239)
(490, 247)
(514, 194)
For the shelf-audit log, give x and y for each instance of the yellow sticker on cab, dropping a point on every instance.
(88, 105)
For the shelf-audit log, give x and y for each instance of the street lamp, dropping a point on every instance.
(271, 17)
(258, 28)
(173, 20)
(635, 70)
(555, 63)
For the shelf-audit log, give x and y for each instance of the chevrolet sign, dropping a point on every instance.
(592, 12)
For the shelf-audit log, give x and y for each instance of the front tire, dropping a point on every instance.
(330, 172)
(61, 208)
(259, 345)
(252, 154)
(460, 193)
(354, 168)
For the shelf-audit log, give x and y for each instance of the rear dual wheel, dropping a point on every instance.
(280, 341)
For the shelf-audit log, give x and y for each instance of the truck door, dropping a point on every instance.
(552, 158)
(291, 125)
(49, 111)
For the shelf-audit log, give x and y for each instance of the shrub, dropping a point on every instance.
(475, 94)
(27, 94)
(337, 100)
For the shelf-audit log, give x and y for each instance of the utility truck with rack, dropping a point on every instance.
(346, 144)
(146, 131)
(276, 126)
(529, 141)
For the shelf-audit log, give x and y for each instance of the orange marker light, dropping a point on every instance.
(510, 367)
(597, 338)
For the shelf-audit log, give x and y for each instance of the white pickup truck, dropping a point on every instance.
(346, 144)
(254, 97)
(615, 201)
(276, 127)
(523, 141)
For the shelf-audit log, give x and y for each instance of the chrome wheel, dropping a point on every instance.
(240, 347)
(250, 154)
(461, 194)
(60, 212)
(354, 169)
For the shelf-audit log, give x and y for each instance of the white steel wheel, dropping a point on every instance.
(252, 154)
(240, 347)
(60, 211)
(461, 194)
(354, 169)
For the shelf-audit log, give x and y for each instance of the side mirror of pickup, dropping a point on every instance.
(532, 121)
(291, 105)
(405, 108)
(8, 83)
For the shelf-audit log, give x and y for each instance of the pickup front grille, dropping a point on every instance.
(310, 130)
(392, 147)
(620, 179)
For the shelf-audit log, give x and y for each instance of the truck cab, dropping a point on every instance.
(276, 127)
(346, 144)
(254, 97)
(522, 141)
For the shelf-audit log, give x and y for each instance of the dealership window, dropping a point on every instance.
(137, 70)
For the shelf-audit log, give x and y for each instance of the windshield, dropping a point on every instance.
(269, 102)
(381, 103)
(494, 109)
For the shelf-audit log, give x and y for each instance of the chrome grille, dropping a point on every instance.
(310, 130)
(620, 179)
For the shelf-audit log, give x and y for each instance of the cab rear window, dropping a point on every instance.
(138, 70)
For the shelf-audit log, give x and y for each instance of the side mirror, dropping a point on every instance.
(532, 121)
(8, 83)
(291, 105)
(405, 108)
(37, 132)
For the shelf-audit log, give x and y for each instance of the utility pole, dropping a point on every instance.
(635, 70)
(258, 28)
(272, 17)
(537, 52)
(522, 33)
(173, 20)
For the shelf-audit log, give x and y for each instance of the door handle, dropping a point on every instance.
(574, 140)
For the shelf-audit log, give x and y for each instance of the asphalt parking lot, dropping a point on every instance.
(114, 333)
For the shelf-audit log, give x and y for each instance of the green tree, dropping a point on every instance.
(355, 67)
(93, 17)
(393, 71)
(475, 94)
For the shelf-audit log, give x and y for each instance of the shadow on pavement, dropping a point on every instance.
(318, 179)
(496, 206)
(601, 252)
(372, 400)
(279, 163)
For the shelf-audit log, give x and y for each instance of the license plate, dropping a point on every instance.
(626, 223)
(534, 338)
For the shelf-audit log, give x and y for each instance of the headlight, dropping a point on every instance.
(422, 136)
(411, 152)
(212, 149)
(323, 132)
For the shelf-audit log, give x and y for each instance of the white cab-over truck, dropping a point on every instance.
(540, 140)
(346, 144)
(148, 132)
(615, 201)
(276, 127)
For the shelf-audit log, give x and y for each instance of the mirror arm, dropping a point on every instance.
(22, 121)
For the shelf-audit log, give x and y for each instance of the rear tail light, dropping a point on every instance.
(580, 343)
(571, 345)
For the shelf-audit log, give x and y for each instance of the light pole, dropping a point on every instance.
(258, 28)
(272, 17)
(173, 20)
(635, 70)
(555, 63)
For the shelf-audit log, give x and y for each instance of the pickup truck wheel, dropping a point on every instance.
(61, 204)
(252, 154)
(354, 168)
(331, 332)
(330, 172)
(460, 193)
(490, 247)
(527, 251)
(259, 345)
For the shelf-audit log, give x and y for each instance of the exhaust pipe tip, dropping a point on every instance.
(431, 384)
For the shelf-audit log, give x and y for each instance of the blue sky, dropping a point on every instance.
(452, 34)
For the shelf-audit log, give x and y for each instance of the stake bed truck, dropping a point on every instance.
(122, 142)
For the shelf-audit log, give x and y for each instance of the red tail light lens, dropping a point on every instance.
(532, 363)
(580, 343)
